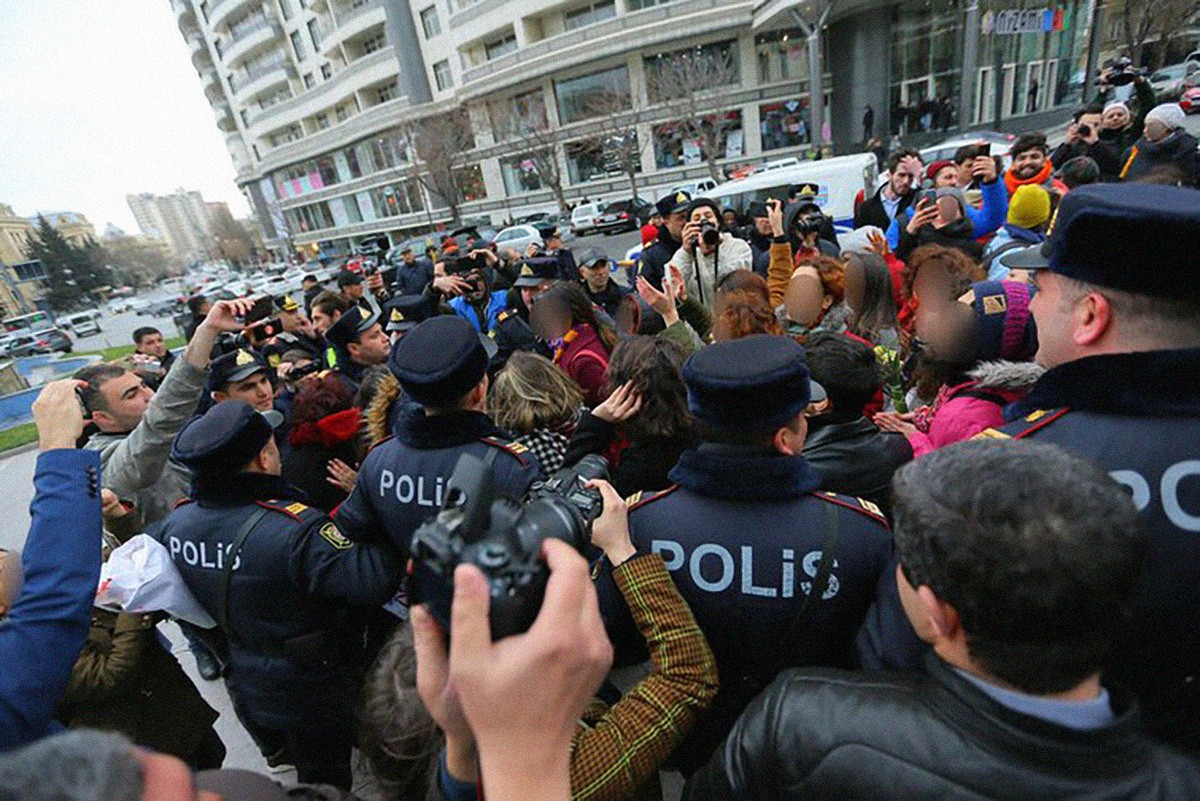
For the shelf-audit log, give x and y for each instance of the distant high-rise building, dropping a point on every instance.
(181, 219)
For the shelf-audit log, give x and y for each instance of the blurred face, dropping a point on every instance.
(549, 320)
(949, 211)
(307, 284)
(529, 294)
(1116, 118)
(322, 322)
(373, 346)
(963, 172)
(655, 219)
(1029, 163)
(1155, 131)
(353, 291)
(855, 284)
(125, 398)
(10, 580)
(408, 257)
(1053, 309)
(730, 218)
(479, 285)
(946, 176)
(704, 214)
(168, 777)
(762, 225)
(255, 390)
(295, 322)
(152, 345)
(674, 224)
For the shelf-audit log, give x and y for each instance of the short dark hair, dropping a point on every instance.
(321, 397)
(96, 375)
(329, 302)
(141, 333)
(897, 155)
(1029, 141)
(1079, 171)
(847, 370)
(652, 364)
(307, 278)
(195, 303)
(1038, 552)
(967, 153)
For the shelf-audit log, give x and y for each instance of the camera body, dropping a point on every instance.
(710, 235)
(1121, 72)
(1084, 130)
(503, 538)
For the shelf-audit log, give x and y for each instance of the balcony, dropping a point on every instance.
(220, 10)
(620, 34)
(211, 83)
(201, 58)
(370, 69)
(238, 153)
(262, 77)
(250, 39)
(225, 119)
(350, 24)
(185, 15)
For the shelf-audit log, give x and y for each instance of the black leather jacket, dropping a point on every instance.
(831, 734)
(856, 458)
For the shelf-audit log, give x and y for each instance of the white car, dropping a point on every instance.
(82, 325)
(519, 238)
(583, 217)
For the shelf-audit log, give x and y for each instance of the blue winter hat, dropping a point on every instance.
(1004, 328)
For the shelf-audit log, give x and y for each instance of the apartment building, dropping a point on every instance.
(180, 220)
(313, 95)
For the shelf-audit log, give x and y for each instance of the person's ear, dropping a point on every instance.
(943, 618)
(218, 396)
(1092, 316)
(103, 418)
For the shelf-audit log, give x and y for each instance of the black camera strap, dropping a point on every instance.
(227, 572)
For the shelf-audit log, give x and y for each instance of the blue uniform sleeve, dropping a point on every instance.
(514, 477)
(44, 632)
(994, 211)
(325, 562)
(886, 640)
(356, 517)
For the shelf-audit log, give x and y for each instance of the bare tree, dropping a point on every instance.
(1142, 22)
(691, 84)
(540, 148)
(616, 135)
(440, 147)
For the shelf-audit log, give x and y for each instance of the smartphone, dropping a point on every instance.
(271, 328)
(929, 196)
(985, 149)
(261, 310)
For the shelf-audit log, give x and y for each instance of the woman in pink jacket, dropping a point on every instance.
(983, 344)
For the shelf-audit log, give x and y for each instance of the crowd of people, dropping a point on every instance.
(907, 511)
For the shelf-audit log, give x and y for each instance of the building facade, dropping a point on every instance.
(180, 219)
(314, 96)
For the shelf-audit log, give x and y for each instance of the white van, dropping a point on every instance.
(583, 218)
(82, 325)
(838, 180)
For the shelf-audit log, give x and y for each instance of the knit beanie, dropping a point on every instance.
(1029, 207)
(1169, 114)
(936, 167)
(1004, 328)
(1114, 104)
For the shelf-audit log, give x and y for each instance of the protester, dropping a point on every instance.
(413, 273)
(327, 307)
(815, 297)
(1163, 144)
(596, 277)
(742, 307)
(759, 236)
(904, 177)
(1120, 128)
(565, 319)
(1011, 705)
(870, 299)
(745, 496)
(324, 442)
(567, 268)
(298, 333)
(617, 750)
(48, 611)
(1083, 139)
(479, 305)
(537, 403)
(846, 449)
(1118, 320)
(1031, 165)
(152, 360)
(311, 287)
(980, 172)
(1079, 171)
(703, 257)
(198, 306)
(1028, 217)
(285, 609)
(941, 221)
(673, 209)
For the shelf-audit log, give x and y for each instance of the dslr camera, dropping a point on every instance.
(1119, 73)
(811, 222)
(503, 538)
(709, 234)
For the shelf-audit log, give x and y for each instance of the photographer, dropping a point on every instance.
(1083, 139)
(616, 751)
(150, 355)
(707, 252)
(479, 305)
(1163, 147)
(1120, 127)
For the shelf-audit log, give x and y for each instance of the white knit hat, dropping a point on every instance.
(1169, 114)
(1115, 104)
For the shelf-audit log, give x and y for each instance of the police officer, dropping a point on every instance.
(441, 365)
(279, 578)
(402, 314)
(655, 258)
(242, 374)
(298, 333)
(747, 536)
(512, 332)
(595, 274)
(1118, 319)
(359, 342)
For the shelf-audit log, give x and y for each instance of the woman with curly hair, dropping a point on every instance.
(742, 307)
(533, 400)
(325, 443)
(815, 297)
(644, 424)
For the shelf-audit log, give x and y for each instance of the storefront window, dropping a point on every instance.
(598, 158)
(677, 145)
(784, 124)
(508, 116)
(782, 56)
(520, 175)
(392, 200)
(926, 58)
(593, 95)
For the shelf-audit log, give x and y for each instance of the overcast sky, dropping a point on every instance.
(99, 99)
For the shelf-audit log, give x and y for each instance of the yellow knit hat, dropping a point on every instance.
(1029, 207)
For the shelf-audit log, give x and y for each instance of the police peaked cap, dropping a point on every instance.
(669, 204)
(354, 321)
(237, 365)
(536, 269)
(757, 382)
(405, 311)
(1139, 238)
(439, 361)
(225, 438)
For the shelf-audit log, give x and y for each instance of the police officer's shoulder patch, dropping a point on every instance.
(1025, 426)
(640, 499)
(299, 512)
(514, 449)
(504, 315)
(860, 505)
(330, 533)
(295, 508)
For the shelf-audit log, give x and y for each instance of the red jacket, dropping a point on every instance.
(583, 358)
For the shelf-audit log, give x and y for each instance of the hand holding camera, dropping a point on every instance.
(775, 216)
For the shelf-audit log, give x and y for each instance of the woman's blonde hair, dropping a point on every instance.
(531, 393)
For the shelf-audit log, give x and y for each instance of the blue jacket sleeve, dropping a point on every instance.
(43, 634)
(886, 640)
(994, 211)
(356, 517)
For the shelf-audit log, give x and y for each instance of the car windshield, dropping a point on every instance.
(619, 206)
(1167, 74)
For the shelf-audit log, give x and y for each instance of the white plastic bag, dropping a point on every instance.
(140, 577)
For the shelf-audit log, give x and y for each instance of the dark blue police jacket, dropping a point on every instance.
(741, 534)
(402, 481)
(1137, 415)
(294, 582)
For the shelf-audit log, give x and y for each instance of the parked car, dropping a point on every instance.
(583, 216)
(1001, 143)
(623, 215)
(82, 324)
(1190, 102)
(39, 342)
(164, 308)
(519, 238)
(119, 305)
(1169, 82)
(695, 189)
(141, 306)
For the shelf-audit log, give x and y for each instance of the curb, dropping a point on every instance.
(17, 451)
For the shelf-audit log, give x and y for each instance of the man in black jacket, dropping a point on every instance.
(895, 196)
(670, 238)
(847, 450)
(1015, 566)
(1083, 139)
